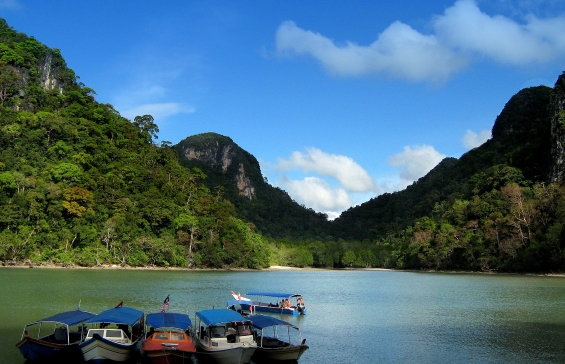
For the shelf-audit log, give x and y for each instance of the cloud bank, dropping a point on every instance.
(343, 169)
(352, 184)
(414, 163)
(348, 179)
(462, 35)
(472, 140)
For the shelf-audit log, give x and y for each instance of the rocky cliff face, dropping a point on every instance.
(557, 115)
(222, 154)
(49, 75)
(49, 72)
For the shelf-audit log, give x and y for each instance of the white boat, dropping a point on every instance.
(274, 302)
(114, 340)
(223, 337)
(277, 340)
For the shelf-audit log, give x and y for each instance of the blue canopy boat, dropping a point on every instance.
(278, 303)
(60, 344)
(115, 337)
(167, 342)
(277, 340)
(223, 337)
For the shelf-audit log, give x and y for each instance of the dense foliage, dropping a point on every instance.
(81, 184)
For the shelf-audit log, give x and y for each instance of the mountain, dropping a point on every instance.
(238, 174)
(520, 139)
(80, 184)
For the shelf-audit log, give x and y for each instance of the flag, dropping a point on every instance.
(120, 304)
(165, 304)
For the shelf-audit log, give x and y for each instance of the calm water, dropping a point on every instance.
(353, 316)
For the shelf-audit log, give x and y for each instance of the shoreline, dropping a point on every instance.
(43, 265)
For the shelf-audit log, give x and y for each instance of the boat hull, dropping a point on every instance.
(40, 350)
(100, 350)
(236, 355)
(168, 352)
(286, 311)
(160, 357)
(287, 353)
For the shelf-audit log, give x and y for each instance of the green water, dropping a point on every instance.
(353, 316)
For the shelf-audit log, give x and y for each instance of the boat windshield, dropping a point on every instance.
(244, 330)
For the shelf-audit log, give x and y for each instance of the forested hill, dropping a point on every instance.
(238, 174)
(520, 139)
(81, 184)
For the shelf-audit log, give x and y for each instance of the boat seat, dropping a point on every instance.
(61, 334)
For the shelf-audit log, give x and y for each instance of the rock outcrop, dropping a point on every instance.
(221, 154)
(557, 115)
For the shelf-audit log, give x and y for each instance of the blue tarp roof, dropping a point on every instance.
(262, 321)
(169, 319)
(212, 317)
(273, 294)
(70, 318)
(118, 315)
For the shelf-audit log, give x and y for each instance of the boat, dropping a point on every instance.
(61, 343)
(277, 340)
(244, 308)
(223, 337)
(167, 341)
(114, 335)
(278, 303)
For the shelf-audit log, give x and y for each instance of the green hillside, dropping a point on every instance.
(81, 184)
(520, 139)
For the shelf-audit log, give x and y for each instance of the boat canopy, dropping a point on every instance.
(262, 321)
(118, 315)
(274, 294)
(69, 318)
(174, 320)
(213, 317)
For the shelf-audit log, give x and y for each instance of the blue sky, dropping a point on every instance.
(340, 101)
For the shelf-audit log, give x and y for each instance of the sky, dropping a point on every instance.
(339, 101)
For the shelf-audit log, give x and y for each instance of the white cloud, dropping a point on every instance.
(399, 51)
(462, 33)
(415, 162)
(463, 26)
(344, 169)
(10, 4)
(472, 140)
(349, 181)
(158, 111)
(318, 194)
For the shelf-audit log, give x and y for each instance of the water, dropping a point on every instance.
(353, 316)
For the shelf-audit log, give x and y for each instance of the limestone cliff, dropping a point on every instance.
(557, 115)
(218, 154)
